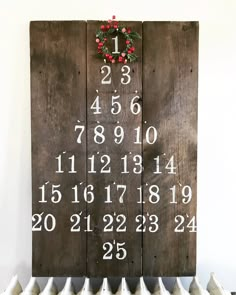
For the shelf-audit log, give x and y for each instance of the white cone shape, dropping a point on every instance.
(14, 287)
(142, 288)
(68, 288)
(179, 289)
(214, 287)
(196, 289)
(86, 289)
(160, 289)
(50, 288)
(123, 288)
(32, 288)
(105, 288)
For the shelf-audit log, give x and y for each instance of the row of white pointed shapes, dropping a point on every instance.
(213, 288)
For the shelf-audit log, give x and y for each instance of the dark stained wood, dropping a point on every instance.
(170, 72)
(131, 265)
(65, 80)
(58, 97)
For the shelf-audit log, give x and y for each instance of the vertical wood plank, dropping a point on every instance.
(58, 100)
(96, 265)
(170, 71)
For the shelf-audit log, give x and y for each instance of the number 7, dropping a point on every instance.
(121, 186)
(81, 128)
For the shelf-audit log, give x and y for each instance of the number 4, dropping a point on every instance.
(96, 106)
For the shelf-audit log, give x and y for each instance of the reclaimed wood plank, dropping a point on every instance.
(58, 100)
(127, 206)
(170, 72)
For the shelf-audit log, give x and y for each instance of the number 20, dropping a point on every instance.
(106, 70)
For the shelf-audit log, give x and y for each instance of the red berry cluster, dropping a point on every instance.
(101, 39)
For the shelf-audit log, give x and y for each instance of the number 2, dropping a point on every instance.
(106, 79)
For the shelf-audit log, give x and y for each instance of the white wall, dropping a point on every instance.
(217, 121)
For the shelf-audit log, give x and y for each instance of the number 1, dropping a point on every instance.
(116, 45)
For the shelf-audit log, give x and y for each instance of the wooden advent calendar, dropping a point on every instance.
(114, 151)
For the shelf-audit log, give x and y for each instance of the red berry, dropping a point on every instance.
(129, 51)
(108, 27)
(120, 59)
(115, 26)
(127, 42)
(132, 49)
(110, 57)
(113, 17)
(128, 31)
(100, 44)
(102, 27)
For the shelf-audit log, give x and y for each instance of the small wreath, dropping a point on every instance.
(127, 55)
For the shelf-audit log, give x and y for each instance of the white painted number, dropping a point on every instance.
(125, 72)
(96, 106)
(116, 45)
(56, 194)
(138, 162)
(120, 220)
(88, 193)
(170, 166)
(99, 137)
(120, 251)
(180, 220)
(107, 71)
(151, 135)
(76, 218)
(119, 187)
(48, 223)
(142, 220)
(154, 196)
(186, 194)
(116, 106)
(106, 160)
(81, 130)
(135, 106)
(119, 134)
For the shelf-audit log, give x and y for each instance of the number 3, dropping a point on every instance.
(125, 70)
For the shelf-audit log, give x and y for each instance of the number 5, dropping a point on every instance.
(115, 105)
(121, 252)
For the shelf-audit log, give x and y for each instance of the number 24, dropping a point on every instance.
(106, 70)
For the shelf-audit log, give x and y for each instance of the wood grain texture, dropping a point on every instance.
(65, 80)
(130, 266)
(170, 72)
(58, 98)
